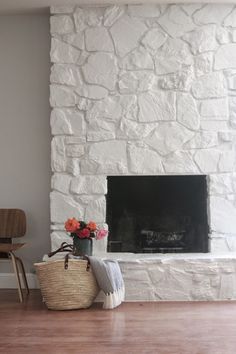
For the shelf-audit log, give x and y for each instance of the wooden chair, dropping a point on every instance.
(12, 225)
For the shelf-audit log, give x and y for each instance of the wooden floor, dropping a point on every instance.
(132, 328)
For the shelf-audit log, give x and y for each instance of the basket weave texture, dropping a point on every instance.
(67, 289)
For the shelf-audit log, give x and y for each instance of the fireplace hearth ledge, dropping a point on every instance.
(175, 277)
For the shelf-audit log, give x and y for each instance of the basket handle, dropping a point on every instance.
(84, 258)
(63, 248)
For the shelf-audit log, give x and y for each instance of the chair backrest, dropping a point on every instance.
(12, 223)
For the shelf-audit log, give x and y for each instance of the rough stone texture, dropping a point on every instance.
(61, 24)
(58, 158)
(98, 39)
(212, 14)
(181, 80)
(61, 183)
(63, 53)
(172, 56)
(111, 156)
(168, 137)
(216, 126)
(136, 81)
(154, 39)
(63, 74)
(132, 130)
(138, 59)
(89, 185)
(217, 109)
(222, 184)
(175, 21)
(223, 215)
(96, 210)
(209, 86)
(76, 39)
(143, 160)
(202, 39)
(203, 63)
(126, 33)
(225, 57)
(202, 140)
(61, 96)
(207, 160)
(180, 162)
(156, 106)
(67, 121)
(101, 69)
(187, 113)
(75, 150)
(64, 207)
(147, 90)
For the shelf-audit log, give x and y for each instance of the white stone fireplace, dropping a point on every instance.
(147, 90)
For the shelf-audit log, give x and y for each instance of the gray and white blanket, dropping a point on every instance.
(110, 280)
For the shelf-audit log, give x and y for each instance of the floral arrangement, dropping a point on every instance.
(84, 230)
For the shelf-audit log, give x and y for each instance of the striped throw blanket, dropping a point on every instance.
(110, 280)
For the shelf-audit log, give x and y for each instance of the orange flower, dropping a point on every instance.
(91, 226)
(71, 225)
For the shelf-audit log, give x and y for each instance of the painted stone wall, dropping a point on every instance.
(143, 90)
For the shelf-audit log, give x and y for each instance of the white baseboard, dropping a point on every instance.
(8, 281)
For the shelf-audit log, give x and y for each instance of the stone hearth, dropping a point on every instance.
(146, 90)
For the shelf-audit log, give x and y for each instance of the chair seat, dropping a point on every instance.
(10, 247)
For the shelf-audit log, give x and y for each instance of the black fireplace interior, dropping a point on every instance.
(157, 214)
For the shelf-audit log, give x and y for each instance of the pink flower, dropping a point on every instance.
(84, 233)
(101, 234)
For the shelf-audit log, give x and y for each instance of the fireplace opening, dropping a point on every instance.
(157, 214)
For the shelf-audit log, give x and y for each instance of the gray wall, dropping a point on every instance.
(25, 129)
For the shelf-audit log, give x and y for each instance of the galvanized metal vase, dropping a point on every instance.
(82, 246)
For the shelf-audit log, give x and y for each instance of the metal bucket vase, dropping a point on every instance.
(82, 246)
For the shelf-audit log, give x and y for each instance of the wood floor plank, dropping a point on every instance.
(132, 328)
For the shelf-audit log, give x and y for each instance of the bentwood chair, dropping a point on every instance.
(13, 225)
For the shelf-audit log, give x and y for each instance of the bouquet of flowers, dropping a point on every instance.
(84, 230)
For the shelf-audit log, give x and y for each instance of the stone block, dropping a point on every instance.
(175, 21)
(61, 96)
(61, 24)
(58, 158)
(101, 69)
(216, 109)
(168, 137)
(180, 162)
(222, 215)
(96, 210)
(207, 160)
(61, 183)
(225, 57)
(89, 185)
(187, 113)
(202, 39)
(64, 207)
(143, 160)
(63, 53)
(98, 39)
(156, 106)
(112, 14)
(209, 86)
(210, 13)
(127, 25)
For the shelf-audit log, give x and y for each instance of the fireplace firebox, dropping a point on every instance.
(157, 214)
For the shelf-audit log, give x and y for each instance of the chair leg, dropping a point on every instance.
(23, 274)
(16, 270)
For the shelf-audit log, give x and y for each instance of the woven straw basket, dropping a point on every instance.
(67, 289)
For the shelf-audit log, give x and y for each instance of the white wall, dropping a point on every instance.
(24, 127)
